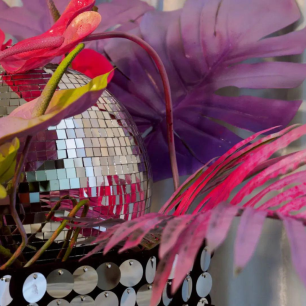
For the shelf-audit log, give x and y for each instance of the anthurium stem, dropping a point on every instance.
(49, 90)
(6, 254)
(39, 110)
(68, 235)
(13, 210)
(65, 245)
(53, 10)
(22, 47)
(75, 235)
(51, 214)
(161, 68)
(57, 232)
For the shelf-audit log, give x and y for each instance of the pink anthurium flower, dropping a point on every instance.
(2, 39)
(75, 23)
(92, 63)
(33, 17)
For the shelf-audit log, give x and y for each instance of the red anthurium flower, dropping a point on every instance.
(92, 63)
(2, 39)
(75, 23)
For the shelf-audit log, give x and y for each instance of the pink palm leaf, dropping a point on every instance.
(185, 234)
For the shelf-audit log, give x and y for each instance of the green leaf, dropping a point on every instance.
(8, 154)
(64, 104)
(3, 193)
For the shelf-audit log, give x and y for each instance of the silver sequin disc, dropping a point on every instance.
(205, 260)
(107, 298)
(5, 296)
(108, 276)
(151, 269)
(128, 297)
(85, 279)
(187, 289)
(34, 287)
(83, 300)
(204, 284)
(59, 302)
(131, 272)
(59, 283)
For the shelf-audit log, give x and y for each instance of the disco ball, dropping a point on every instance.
(97, 155)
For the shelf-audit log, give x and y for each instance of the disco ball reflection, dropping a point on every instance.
(97, 155)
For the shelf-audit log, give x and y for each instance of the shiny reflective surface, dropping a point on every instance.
(107, 298)
(173, 267)
(83, 300)
(108, 276)
(151, 270)
(144, 295)
(5, 296)
(187, 289)
(98, 154)
(205, 259)
(59, 283)
(202, 302)
(131, 272)
(166, 298)
(59, 302)
(85, 280)
(128, 297)
(204, 284)
(34, 288)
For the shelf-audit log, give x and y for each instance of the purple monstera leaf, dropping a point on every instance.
(34, 18)
(202, 47)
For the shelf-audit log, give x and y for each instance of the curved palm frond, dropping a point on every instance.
(250, 162)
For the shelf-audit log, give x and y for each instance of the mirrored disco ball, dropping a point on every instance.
(97, 155)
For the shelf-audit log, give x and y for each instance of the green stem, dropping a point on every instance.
(8, 241)
(69, 234)
(53, 10)
(65, 245)
(57, 232)
(76, 234)
(5, 233)
(48, 92)
(39, 110)
(52, 212)
(6, 254)
(13, 210)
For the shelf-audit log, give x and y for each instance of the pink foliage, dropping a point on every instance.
(183, 235)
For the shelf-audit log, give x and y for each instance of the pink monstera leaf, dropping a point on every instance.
(204, 47)
(74, 24)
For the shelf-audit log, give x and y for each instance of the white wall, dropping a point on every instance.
(13, 2)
